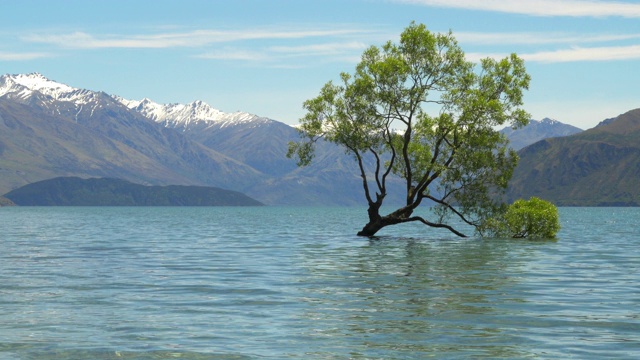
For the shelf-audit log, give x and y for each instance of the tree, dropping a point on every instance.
(533, 218)
(383, 114)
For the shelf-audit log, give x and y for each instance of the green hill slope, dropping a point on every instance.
(598, 167)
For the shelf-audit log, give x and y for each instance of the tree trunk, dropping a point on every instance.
(371, 229)
(377, 222)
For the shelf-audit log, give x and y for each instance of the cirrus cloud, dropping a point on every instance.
(605, 53)
(574, 54)
(570, 8)
(276, 55)
(198, 38)
(23, 56)
(533, 38)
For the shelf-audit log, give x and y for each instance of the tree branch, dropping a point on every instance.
(377, 171)
(363, 174)
(436, 225)
(454, 210)
(389, 140)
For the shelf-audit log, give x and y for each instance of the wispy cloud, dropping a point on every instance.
(277, 46)
(571, 8)
(286, 56)
(540, 38)
(234, 54)
(23, 56)
(198, 38)
(575, 54)
(606, 53)
(336, 48)
(573, 47)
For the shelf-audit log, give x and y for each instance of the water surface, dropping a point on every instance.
(274, 283)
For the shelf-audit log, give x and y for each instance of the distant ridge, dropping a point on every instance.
(597, 167)
(74, 191)
(536, 131)
(49, 129)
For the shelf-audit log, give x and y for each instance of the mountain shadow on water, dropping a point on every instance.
(74, 191)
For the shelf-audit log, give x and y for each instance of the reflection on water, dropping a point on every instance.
(413, 297)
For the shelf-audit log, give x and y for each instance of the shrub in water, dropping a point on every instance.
(533, 218)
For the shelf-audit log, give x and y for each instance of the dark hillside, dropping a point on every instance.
(74, 191)
(598, 167)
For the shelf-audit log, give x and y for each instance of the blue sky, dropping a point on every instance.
(267, 57)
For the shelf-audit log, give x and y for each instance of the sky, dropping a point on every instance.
(268, 57)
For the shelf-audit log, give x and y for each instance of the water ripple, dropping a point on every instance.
(256, 283)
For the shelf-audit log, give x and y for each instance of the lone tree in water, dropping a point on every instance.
(418, 109)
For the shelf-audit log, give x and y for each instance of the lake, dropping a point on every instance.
(278, 282)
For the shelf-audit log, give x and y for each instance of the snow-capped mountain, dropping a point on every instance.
(53, 97)
(537, 130)
(24, 86)
(49, 129)
(196, 114)
(183, 116)
(562, 129)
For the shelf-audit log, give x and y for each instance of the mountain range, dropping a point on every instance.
(49, 129)
(597, 167)
(538, 130)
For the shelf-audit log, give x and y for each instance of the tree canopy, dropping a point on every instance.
(420, 111)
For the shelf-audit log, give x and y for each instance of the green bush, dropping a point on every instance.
(534, 218)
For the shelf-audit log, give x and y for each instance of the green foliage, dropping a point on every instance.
(418, 109)
(534, 218)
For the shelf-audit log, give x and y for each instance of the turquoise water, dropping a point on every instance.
(274, 283)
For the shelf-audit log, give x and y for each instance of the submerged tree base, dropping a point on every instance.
(371, 229)
(402, 215)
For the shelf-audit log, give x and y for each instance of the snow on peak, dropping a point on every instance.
(172, 115)
(550, 121)
(25, 85)
(184, 115)
(34, 82)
